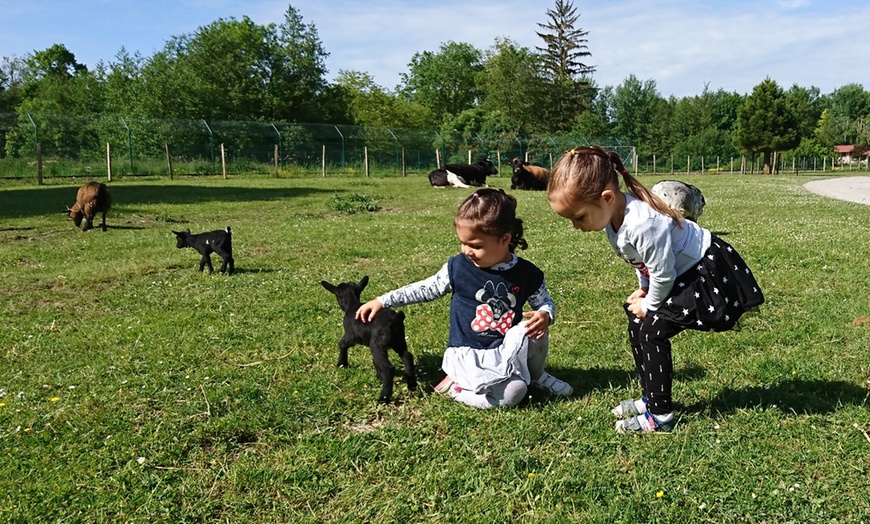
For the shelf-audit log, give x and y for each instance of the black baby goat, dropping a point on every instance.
(219, 241)
(386, 331)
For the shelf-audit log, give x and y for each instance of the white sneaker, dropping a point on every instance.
(553, 385)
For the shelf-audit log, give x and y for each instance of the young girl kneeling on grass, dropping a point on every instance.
(688, 277)
(491, 356)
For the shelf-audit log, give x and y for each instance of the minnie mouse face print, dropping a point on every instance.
(495, 313)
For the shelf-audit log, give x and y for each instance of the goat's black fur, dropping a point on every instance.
(219, 241)
(386, 330)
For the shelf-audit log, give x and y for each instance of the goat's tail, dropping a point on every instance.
(229, 230)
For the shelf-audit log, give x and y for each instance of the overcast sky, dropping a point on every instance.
(681, 45)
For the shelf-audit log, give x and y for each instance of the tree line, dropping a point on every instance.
(236, 70)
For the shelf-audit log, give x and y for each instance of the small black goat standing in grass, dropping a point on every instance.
(386, 331)
(219, 241)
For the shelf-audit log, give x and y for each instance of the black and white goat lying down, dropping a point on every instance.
(219, 241)
(463, 175)
(386, 331)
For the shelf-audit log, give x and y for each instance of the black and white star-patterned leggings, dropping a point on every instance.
(651, 348)
(712, 296)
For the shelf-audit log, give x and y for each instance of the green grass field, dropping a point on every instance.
(135, 389)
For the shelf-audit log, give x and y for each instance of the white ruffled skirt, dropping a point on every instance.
(478, 369)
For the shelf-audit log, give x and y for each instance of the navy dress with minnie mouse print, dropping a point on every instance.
(487, 343)
(487, 302)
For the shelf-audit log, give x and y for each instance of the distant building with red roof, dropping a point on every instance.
(849, 154)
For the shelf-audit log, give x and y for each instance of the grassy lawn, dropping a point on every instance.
(135, 389)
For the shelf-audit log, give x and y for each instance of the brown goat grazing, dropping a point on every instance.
(527, 176)
(92, 198)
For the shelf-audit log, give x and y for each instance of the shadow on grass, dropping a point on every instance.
(37, 201)
(806, 397)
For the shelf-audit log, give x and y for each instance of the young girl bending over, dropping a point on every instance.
(491, 356)
(688, 278)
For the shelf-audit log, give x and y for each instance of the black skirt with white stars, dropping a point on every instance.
(713, 295)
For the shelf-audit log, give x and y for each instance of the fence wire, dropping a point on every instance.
(94, 145)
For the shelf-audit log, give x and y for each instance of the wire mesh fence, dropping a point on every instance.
(97, 145)
(33, 146)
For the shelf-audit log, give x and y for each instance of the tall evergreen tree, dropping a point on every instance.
(766, 122)
(571, 92)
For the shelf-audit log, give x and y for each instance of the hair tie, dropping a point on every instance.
(619, 170)
(572, 151)
(475, 196)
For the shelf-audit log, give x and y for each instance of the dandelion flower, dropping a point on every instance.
(54, 399)
(532, 474)
(2, 404)
(660, 494)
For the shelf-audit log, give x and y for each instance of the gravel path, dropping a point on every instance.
(852, 189)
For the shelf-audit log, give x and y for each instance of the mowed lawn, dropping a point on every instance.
(135, 389)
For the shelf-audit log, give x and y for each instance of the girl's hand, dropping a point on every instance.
(367, 311)
(537, 324)
(637, 295)
(636, 309)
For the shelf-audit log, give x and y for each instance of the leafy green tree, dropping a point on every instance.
(766, 123)
(11, 70)
(804, 103)
(370, 105)
(238, 70)
(446, 81)
(122, 80)
(297, 81)
(510, 85)
(634, 105)
(563, 57)
(57, 88)
(827, 132)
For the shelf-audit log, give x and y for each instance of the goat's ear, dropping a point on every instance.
(329, 287)
(363, 283)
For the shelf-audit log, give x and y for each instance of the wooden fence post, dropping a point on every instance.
(403, 163)
(39, 162)
(437, 159)
(276, 160)
(223, 161)
(168, 160)
(323, 160)
(366, 159)
(109, 160)
(469, 156)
